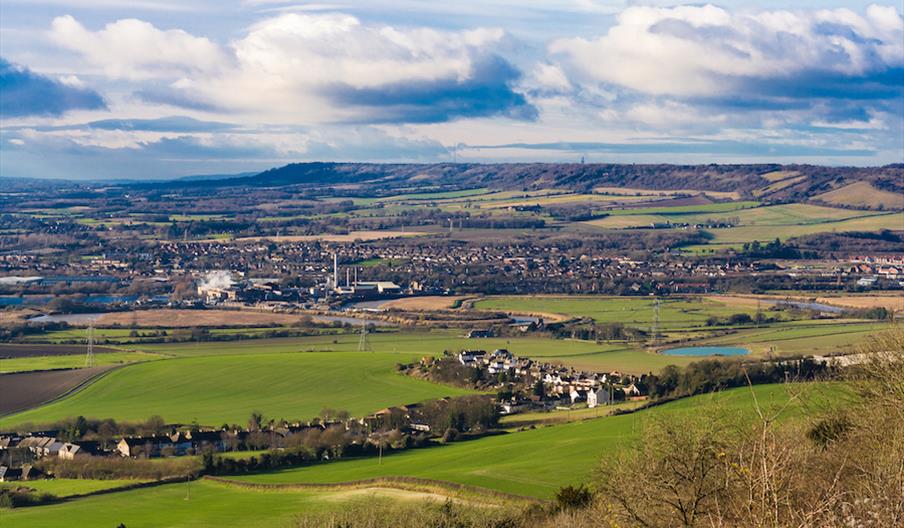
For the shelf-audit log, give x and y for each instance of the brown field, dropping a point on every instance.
(424, 304)
(775, 176)
(189, 318)
(16, 316)
(891, 302)
(628, 191)
(778, 185)
(24, 390)
(10, 350)
(863, 194)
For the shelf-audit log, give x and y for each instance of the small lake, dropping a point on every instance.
(706, 351)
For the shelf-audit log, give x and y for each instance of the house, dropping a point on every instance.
(575, 395)
(153, 445)
(467, 357)
(41, 446)
(479, 334)
(26, 472)
(631, 391)
(598, 397)
(69, 451)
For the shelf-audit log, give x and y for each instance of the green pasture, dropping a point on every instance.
(674, 312)
(533, 462)
(26, 364)
(69, 487)
(198, 504)
(824, 337)
(212, 390)
(681, 210)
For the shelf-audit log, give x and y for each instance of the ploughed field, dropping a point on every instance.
(531, 463)
(29, 389)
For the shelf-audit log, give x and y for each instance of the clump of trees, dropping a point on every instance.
(709, 375)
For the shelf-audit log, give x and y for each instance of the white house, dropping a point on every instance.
(598, 397)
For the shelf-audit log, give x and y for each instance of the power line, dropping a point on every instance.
(89, 356)
(363, 342)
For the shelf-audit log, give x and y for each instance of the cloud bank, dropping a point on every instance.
(26, 93)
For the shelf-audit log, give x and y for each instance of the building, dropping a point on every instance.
(598, 397)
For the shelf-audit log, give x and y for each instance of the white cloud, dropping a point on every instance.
(284, 67)
(706, 50)
(134, 49)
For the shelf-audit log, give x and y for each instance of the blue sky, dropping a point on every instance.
(163, 88)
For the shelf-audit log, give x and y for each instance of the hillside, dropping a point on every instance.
(777, 183)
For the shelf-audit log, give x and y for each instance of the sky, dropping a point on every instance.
(154, 89)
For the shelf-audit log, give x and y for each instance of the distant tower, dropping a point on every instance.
(335, 270)
(89, 355)
(363, 342)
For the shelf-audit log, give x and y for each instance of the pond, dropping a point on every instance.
(706, 351)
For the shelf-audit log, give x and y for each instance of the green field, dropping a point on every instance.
(71, 361)
(69, 487)
(534, 462)
(199, 504)
(674, 313)
(226, 389)
(755, 223)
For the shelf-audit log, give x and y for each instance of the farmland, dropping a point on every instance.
(213, 390)
(200, 504)
(71, 361)
(24, 390)
(533, 463)
(675, 314)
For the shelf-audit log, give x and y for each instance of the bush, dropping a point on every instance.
(573, 497)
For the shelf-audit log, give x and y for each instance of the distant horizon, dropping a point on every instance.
(223, 176)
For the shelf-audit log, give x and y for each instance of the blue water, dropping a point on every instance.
(706, 351)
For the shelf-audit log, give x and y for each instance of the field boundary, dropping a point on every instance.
(414, 484)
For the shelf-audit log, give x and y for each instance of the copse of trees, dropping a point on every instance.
(714, 374)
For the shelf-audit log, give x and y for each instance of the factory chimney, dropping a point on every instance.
(335, 270)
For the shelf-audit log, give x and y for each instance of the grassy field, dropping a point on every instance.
(26, 364)
(862, 194)
(199, 504)
(534, 462)
(69, 487)
(755, 223)
(213, 390)
(675, 313)
(803, 337)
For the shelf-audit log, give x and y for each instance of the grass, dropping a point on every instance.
(212, 390)
(26, 364)
(675, 313)
(755, 223)
(687, 209)
(68, 487)
(534, 462)
(199, 504)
